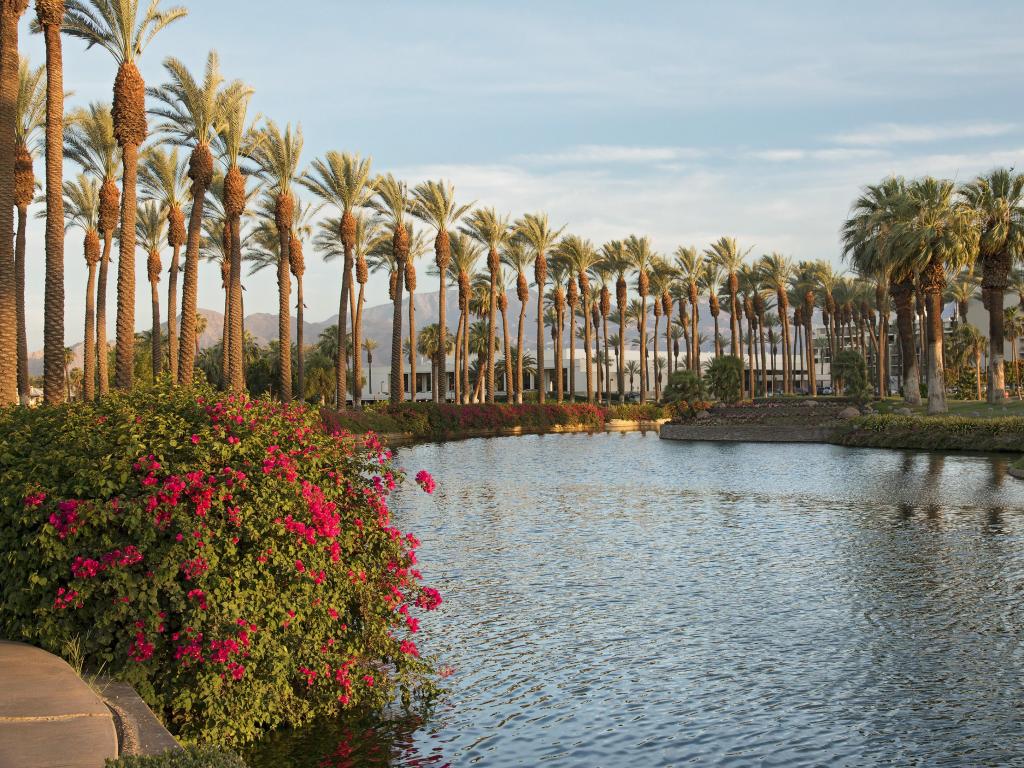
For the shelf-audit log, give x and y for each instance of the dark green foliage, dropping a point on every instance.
(190, 757)
(949, 433)
(723, 378)
(849, 368)
(684, 385)
(212, 553)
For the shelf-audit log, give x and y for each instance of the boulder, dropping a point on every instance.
(849, 412)
(702, 416)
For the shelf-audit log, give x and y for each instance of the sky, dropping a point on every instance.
(684, 121)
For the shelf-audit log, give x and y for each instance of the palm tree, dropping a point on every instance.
(369, 345)
(275, 155)
(162, 178)
(603, 307)
(581, 256)
(616, 259)
(968, 345)
(828, 280)
(49, 16)
(418, 246)
(10, 15)
(1013, 323)
(961, 290)
(997, 200)
(692, 269)
(638, 252)
(231, 141)
(535, 230)
(726, 253)
(193, 113)
(936, 236)
(711, 282)
(434, 204)
(558, 271)
(493, 232)
(116, 26)
(518, 256)
(805, 286)
(81, 209)
(89, 141)
(465, 255)
(867, 242)
(776, 272)
(343, 180)
(31, 116)
(149, 226)
(632, 369)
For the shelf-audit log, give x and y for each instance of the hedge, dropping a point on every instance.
(229, 558)
(189, 757)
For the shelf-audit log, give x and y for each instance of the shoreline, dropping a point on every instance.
(398, 439)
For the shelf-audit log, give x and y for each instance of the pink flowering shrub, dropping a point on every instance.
(231, 558)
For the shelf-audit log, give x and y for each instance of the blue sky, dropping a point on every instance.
(682, 120)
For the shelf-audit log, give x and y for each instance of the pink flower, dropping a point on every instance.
(409, 648)
(195, 439)
(425, 481)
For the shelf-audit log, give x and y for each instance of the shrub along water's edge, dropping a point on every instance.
(933, 433)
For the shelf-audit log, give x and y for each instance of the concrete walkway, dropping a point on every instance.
(49, 717)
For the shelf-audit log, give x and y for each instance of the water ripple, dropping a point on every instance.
(616, 600)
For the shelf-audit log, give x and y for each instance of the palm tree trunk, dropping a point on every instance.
(53, 302)
(102, 351)
(300, 339)
(643, 349)
(397, 384)
(587, 348)
(156, 347)
(357, 360)
(465, 352)
(508, 362)
(607, 363)
(493, 264)
(656, 372)
(559, 354)
(718, 340)
(89, 359)
(541, 340)
(996, 341)
(622, 355)
(10, 13)
(172, 314)
(458, 360)
(225, 340)
(412, 348)
(124, 368)
(200, 171)
(764, 363)
(520, 339)
(236, 361)
(441, 390)
(977, 371)
(572, 354)
(695, 330)
(902, 293)
(19, 278)
(936, 375)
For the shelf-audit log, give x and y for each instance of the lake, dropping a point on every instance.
(620, 600)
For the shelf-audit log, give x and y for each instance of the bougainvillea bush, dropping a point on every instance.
(228, 557)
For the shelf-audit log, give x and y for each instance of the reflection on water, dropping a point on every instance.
(617, 600)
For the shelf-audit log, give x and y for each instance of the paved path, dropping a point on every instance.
(49, 717)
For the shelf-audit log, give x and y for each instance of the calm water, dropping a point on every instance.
(618, 600)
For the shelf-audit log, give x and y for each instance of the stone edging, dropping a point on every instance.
(747, 433)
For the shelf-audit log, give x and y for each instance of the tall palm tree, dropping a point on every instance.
(418, 247)
(519, 257)
(50, 16)
(776, 272)
(343, 180)
(558, 271)
(466, 253)
(638, 251)
(89, 141)
(692, 269)
(434, 204)
(867, 242)
(493, 232)
(997, 200)
(10, 14)
(603, 272)
(727, 254)
(938, 235)
(581, 256)
(162, 179)
(302, 230)
(193, 113)
(540, 237)
(82, 210)
(805, 285)
(967, 347)
(149, 226)
(31, 117)
(1013, 323)
(275, 155)
(118, 27)
(232, 140)
(828, 280)
(617, 261)
(711, 282)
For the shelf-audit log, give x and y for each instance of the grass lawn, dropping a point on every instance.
(967, 408)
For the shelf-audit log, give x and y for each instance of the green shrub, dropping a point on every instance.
(849, 368)
(637, 412)
(685, 385)
(189, 757)
(229, 558)
(723, 378)
(951, 433)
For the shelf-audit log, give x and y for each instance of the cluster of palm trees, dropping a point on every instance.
(181, 167)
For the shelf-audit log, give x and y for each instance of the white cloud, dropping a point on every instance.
(901, 133)
(598, 154)
(837, 155)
